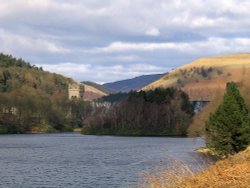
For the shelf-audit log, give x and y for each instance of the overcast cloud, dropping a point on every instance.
(109, 40)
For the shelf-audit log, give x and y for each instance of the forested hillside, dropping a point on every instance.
(15, 74)
(32, 100)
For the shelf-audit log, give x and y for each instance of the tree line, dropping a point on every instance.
(158, 112)
(25, 110)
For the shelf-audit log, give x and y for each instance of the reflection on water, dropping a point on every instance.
(74, 160)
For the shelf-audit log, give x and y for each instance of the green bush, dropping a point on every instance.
(67, 128)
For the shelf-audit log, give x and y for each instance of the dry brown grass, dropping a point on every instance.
(233, 172)
(92, 93)
(243, 79)
(94, 90)
(173, 176)
(197, 127)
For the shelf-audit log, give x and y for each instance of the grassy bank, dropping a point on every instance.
(231, 172)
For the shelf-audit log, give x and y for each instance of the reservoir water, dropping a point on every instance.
(75, 160)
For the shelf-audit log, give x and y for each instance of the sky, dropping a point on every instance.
(110, 40)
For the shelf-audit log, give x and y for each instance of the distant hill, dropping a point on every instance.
(100, 87)
(206, 79)
(134, 83)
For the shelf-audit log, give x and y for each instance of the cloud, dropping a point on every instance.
(153, 32)
(102, 74)
(121, 46)
(17, 42)
(207, 22)
(115, 35)
(216, 44)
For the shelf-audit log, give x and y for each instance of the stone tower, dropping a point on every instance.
(76, 91)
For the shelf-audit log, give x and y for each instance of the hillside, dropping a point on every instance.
(95, 91)
(231, 172)
(92, 92)
(33, 100)
(134, 83)
(16, 74)
(204, 78)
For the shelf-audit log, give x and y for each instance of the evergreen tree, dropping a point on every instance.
(228, 129)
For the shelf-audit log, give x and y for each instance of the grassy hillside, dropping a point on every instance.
(100, 87)
(201, 78)
(92, 92)
(205, 79)
(231, 172)
(134, 83)
(95, 91)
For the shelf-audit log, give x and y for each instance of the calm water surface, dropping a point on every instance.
(74, 160)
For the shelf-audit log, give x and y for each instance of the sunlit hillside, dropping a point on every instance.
(92, 93)
(206, 79)
(17, 75)
(100, 87)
